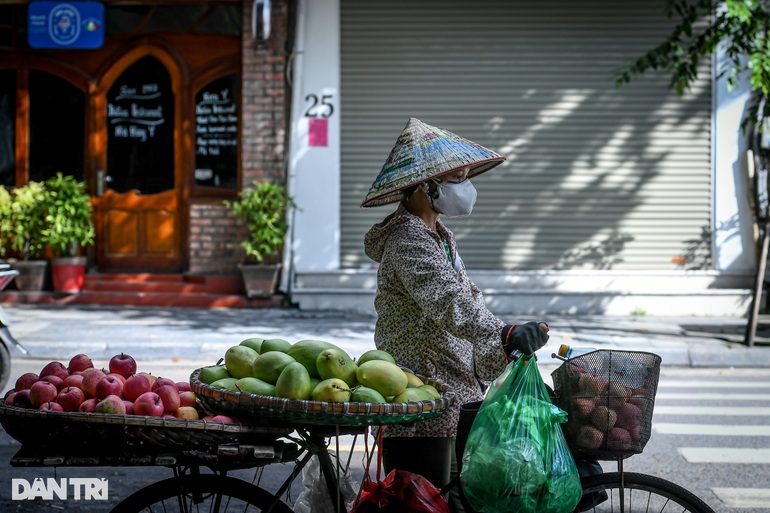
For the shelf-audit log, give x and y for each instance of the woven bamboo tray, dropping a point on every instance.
(126, 435)
(297, 412)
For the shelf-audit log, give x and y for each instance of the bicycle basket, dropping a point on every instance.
(609, 398)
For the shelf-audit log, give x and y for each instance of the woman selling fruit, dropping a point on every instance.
(431, 317)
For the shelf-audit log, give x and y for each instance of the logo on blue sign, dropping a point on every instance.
(66, 25)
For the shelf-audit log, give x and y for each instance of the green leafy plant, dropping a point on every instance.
(27, 220)
(5, 221)
(69, 225)
(741, 28)
(263, 209)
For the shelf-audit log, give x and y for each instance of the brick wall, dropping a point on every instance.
(215, 236)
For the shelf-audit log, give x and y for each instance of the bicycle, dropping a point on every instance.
(7, 274)
(187, 447)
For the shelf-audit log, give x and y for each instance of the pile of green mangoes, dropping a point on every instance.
(315, 370)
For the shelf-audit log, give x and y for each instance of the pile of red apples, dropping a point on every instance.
(119, 390)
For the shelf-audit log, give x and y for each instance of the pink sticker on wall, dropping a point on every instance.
(318, 132)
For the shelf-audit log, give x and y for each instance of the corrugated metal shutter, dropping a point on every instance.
(597, 177)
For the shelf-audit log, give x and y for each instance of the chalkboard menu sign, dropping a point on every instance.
(216, 133)
(140, 129)
(8, 127)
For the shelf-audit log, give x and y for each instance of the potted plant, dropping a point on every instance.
(263, 209)
(69, 228)
(26, 223)
(5, 223)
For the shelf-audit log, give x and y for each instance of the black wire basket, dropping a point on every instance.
(609, 397)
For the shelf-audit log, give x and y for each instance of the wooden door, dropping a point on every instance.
(138, 172)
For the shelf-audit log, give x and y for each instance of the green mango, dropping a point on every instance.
(336, 363)
(294, 382)
(274, 344)
(385, 377)
(431, 390)
(268, 366)
(254, 343)
(226, 383)
(239, 359)
(413, 395)
(306, 352)
(252, 385)
(331, 390)
(375, 354)
(363, 394)
(208, 375)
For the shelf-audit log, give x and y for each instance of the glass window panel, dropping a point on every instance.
(216, 133)
(57, 116)
(140, 129)
(8, 127)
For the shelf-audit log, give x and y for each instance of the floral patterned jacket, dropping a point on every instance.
(431, 317)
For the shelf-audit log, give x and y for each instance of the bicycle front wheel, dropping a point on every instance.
(204, 492)
(641, 493)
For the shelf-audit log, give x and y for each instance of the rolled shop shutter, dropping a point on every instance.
(597, 177)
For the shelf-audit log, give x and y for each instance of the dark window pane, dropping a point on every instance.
(8, 127)
(216, 133)
(140, 129)
(57, 117)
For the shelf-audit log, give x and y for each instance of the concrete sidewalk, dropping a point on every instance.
(190, 337)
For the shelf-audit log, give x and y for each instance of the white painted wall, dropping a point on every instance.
(314, 171)
(733, 245)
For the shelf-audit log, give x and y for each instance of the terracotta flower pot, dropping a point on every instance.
(68, 274)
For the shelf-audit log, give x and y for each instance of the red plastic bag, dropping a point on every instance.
(400, 492)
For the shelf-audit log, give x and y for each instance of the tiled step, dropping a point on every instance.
(163, 290)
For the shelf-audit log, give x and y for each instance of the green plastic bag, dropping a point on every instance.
(516, 457)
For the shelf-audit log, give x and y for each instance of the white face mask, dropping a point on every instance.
(454, 199)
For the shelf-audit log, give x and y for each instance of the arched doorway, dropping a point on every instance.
(138, 171)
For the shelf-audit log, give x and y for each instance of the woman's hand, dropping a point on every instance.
(526, 338)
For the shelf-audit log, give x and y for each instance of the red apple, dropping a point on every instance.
(186, 412)
(80, 362)
(51, 406)
(70, 398)
(108, 385)
(169, 395)
(183, 386)
(56, 368)
(26, 380)
(8, 399)
(149, 377)
(117, 376)
(88, 406)
(73, 380)
(135, 386)
(111, 404)
(54, 379)
(21, 399)
(90, 378)
(42, 392)
(222, 418)
(149, 403)
(123, 364)
(187, 398)
(168, 415)
(129, 407)
(159, 382)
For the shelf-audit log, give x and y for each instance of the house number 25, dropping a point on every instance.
(320, 107)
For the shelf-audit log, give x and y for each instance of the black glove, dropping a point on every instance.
(526, 338)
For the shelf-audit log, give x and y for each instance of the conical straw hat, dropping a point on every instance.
(421, 153)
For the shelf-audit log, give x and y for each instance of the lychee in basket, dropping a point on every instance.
(609, 397)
